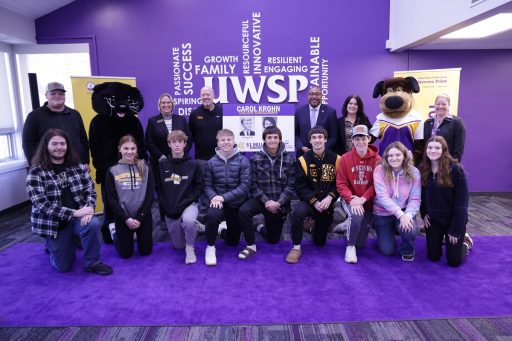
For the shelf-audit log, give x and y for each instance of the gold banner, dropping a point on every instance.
(82, 92)
(433, 83)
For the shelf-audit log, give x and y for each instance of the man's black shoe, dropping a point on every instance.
(100, 269)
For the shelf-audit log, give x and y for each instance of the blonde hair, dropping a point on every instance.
(166, 94)
(443, 95)
(225, 132)
(407, 163)
(177, 135)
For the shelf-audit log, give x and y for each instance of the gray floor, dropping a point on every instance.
(488, 215)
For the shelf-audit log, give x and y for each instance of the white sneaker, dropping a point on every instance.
(350, 254)
(190, 255)
(112, 229)
(210, 258)
(468, 241)
(222, 226)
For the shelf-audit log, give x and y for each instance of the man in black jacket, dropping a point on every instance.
(55, 114)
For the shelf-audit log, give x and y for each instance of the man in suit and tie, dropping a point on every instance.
(311, 115)
(246, 127)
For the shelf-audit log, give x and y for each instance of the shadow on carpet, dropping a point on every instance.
(161, 290)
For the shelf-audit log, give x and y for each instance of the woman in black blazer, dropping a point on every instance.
(444, 124)
(157, 130)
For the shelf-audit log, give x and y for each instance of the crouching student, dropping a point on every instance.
(444, 205)
(181, 186)
(227, 180)
(315, 185)
(272, 184)
(354, 182)
(130, 185)
(63, 200)
(397, 201)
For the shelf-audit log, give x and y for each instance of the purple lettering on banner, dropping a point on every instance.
(246, 76)
(339, 45)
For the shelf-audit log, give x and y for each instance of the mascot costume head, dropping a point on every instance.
(398, 121)
(110, 98)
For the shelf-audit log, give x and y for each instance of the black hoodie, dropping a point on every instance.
(181, 183)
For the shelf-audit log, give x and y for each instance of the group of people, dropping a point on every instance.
(334, 158)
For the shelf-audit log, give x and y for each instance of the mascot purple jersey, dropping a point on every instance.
(397, 121)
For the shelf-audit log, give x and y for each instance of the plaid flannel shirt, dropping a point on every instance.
(44, 190)
(273, 179)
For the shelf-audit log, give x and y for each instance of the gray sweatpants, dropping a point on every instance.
(183, 231)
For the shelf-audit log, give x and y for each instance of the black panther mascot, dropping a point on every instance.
(116, 105)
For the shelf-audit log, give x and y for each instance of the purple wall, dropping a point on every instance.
(135, 38)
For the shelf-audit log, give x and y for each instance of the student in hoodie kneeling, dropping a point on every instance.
(181, 186)
(227, 180)
(354, 181)
(272, 188)
(129, 190)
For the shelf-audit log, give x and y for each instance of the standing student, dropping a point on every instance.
(316, 188)
(63, 200)
(181, 186)
(129, 185)
(354, 182)
(397, 200)
(273, 174)
(444, 205)
(227, 180)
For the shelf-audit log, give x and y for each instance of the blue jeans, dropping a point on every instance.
(386, 226)
(359, 228)
(62, 249)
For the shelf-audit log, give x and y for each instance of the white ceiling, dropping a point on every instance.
(501, 40)
(33, 9)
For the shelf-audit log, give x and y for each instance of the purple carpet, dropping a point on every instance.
(321, 288)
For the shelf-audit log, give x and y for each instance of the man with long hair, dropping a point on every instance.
(63, 200)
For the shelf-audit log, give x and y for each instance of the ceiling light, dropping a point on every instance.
(496, 24)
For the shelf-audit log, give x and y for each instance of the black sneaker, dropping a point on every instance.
(101, 269)
(408, 258)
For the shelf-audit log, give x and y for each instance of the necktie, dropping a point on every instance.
(313, 117)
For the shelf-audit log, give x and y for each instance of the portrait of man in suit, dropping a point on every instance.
(246, 123)
(312, 115)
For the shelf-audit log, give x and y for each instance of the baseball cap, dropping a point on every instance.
(55, 86)
(360, 130)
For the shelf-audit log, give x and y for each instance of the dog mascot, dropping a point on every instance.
(398, 121)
